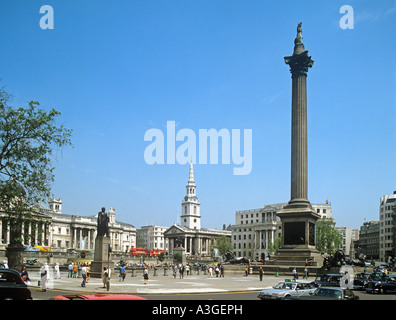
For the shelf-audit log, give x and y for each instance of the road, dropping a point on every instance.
(241, 295)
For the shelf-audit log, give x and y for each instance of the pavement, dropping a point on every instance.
(161, 284)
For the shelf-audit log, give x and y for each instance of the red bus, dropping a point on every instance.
(156, 252)
(138, 252)
(145, 252)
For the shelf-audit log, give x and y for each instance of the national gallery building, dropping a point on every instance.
(67, 233)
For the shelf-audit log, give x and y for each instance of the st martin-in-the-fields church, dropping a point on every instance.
(196, 241)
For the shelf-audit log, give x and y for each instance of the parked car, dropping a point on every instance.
(98, 297)
(329, 280)
(12, 286)
(383, 284)
(329, 293)
(285, 289)
(360, 280)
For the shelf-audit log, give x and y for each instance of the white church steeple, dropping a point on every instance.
(190, 216)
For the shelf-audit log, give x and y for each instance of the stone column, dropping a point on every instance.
(299, 63)
(298, 215)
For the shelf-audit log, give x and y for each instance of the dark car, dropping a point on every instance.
(329, 293)
(360, 280)
(329, 280)
(382, 284)
(98, 297)
(12, 286)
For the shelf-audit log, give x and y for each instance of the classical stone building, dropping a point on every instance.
(65, 233)
(189, 235)
(255, 230)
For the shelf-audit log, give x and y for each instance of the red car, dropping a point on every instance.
(98, 297)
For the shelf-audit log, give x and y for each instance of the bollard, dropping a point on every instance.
(165, 271)
(276, 274)
(155, 271)
(133, 272)
(197, 270)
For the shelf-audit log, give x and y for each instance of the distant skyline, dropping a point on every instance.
(118, 69)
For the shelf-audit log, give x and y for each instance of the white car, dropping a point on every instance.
(287, 289)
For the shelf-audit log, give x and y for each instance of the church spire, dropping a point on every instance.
(191, 175)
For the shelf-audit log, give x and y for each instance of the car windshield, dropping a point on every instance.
(8, 278)
(324, 292)
(285, 285)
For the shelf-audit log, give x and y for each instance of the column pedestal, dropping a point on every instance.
(102, 257)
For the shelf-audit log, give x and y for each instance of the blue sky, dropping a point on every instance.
(116, 69)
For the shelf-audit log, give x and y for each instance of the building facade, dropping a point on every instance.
(151, 237)
(65, 233)
(255, 230)
(386, 232)
(368, 243)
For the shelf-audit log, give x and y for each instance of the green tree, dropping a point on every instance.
(223, 244)
(328, 239)
(29, 138)
(273, 248)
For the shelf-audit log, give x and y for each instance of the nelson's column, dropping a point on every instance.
(298, 217)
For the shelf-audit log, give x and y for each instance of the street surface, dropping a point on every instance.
(160, 287)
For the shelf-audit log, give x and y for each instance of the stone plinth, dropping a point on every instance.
(182, 251)
(102, 256)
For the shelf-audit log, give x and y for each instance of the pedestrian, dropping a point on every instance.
(25, 275)
(221, 271)
(174, 270)
(105, 276)
(75, 270)
(306, 272)
(295, 274)
(246, 271)
(217, 271)
(122, 273)
(210, 270)
(47, 269)
(84, 275)
(43, 278)
(57, 272)
(5, 264)
(181, 272)
(187, 269)
(70, 270)
(261, 273)
(145, 275)
(88, 272)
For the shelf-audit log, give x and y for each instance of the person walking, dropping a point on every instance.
(70, 270)
(25, 275)
(181, 272)
(261, 273)
(57, 272)
(221, 271)
(122, 273)
(306, 272)
(145, 275)
(47, 269)
(295, 274)
(105, 276)
(84, 275)
(75, 270)
(43, 278)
